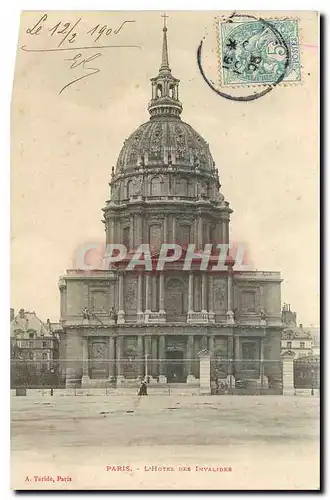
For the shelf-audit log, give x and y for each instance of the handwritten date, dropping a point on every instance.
(69, 30)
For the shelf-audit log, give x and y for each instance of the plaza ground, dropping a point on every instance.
(269, 442)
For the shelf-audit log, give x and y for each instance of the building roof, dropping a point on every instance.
(25, 321)
(294, 332)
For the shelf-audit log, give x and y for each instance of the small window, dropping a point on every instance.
(302, 345)
(31, 335)
(289, 345)
(30, 345)
(44, 344)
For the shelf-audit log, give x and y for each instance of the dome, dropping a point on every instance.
(164, 141)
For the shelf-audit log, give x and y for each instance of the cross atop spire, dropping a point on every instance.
(165, 17)
(165, 63)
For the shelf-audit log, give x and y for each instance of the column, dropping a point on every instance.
(131, 233)
(120, 341)
(200, 232)
(85, 377)
(204, 295)
(139, 298)
(140, 367)
(121, 313)
(211, 300)
(165, 229)
(111, 360)
(154, 363)
(173, 229)
(189, 359)
(161, 293)
(138, 236)
(225, 231)
(112, 231)
(230, 369)
(220, 232)
(191, 293)
(162, 362)
(147, 357)
(147, 301)
(154, 305)
(262, 346)
(230, 314)
(196, 232)
(237, 355)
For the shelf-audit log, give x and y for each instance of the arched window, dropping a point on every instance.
(155, 186)
(172, 91)
(159, 91)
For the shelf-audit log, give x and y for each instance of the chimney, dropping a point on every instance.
(12, 313)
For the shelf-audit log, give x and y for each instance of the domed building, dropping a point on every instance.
(128, 322)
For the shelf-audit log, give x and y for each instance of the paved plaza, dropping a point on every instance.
(172, 442)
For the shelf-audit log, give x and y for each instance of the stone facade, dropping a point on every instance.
(166, 189)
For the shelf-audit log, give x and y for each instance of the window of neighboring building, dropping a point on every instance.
(44, 344)
(289, 345)
(302, 345)
(31, 335)
(31, 345)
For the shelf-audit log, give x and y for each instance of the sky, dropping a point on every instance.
(63, 145)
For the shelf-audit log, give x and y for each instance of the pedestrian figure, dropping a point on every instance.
(143, 389)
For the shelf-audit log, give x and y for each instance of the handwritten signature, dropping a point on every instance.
(68, 32)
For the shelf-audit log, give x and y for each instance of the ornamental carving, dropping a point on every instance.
(219, 294)
(130, 293)
(99, 350)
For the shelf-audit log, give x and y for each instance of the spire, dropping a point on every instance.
(165, 63)
(165, 88)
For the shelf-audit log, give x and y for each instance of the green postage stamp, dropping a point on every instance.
(257, 51)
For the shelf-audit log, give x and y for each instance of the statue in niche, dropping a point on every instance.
(137, 184)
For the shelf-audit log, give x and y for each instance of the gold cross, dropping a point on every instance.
(164, 16)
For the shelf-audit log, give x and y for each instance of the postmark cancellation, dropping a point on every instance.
(255, 51)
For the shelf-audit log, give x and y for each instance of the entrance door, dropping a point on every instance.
(174, 367)
(251, 357)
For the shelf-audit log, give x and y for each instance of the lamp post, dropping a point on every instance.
(146, 367)
(313, 375)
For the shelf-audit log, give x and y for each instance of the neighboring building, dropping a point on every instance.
(166, 188)
(296, 339)
(315, 333)
(34, 348)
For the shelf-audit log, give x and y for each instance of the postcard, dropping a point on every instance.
(164, 318)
